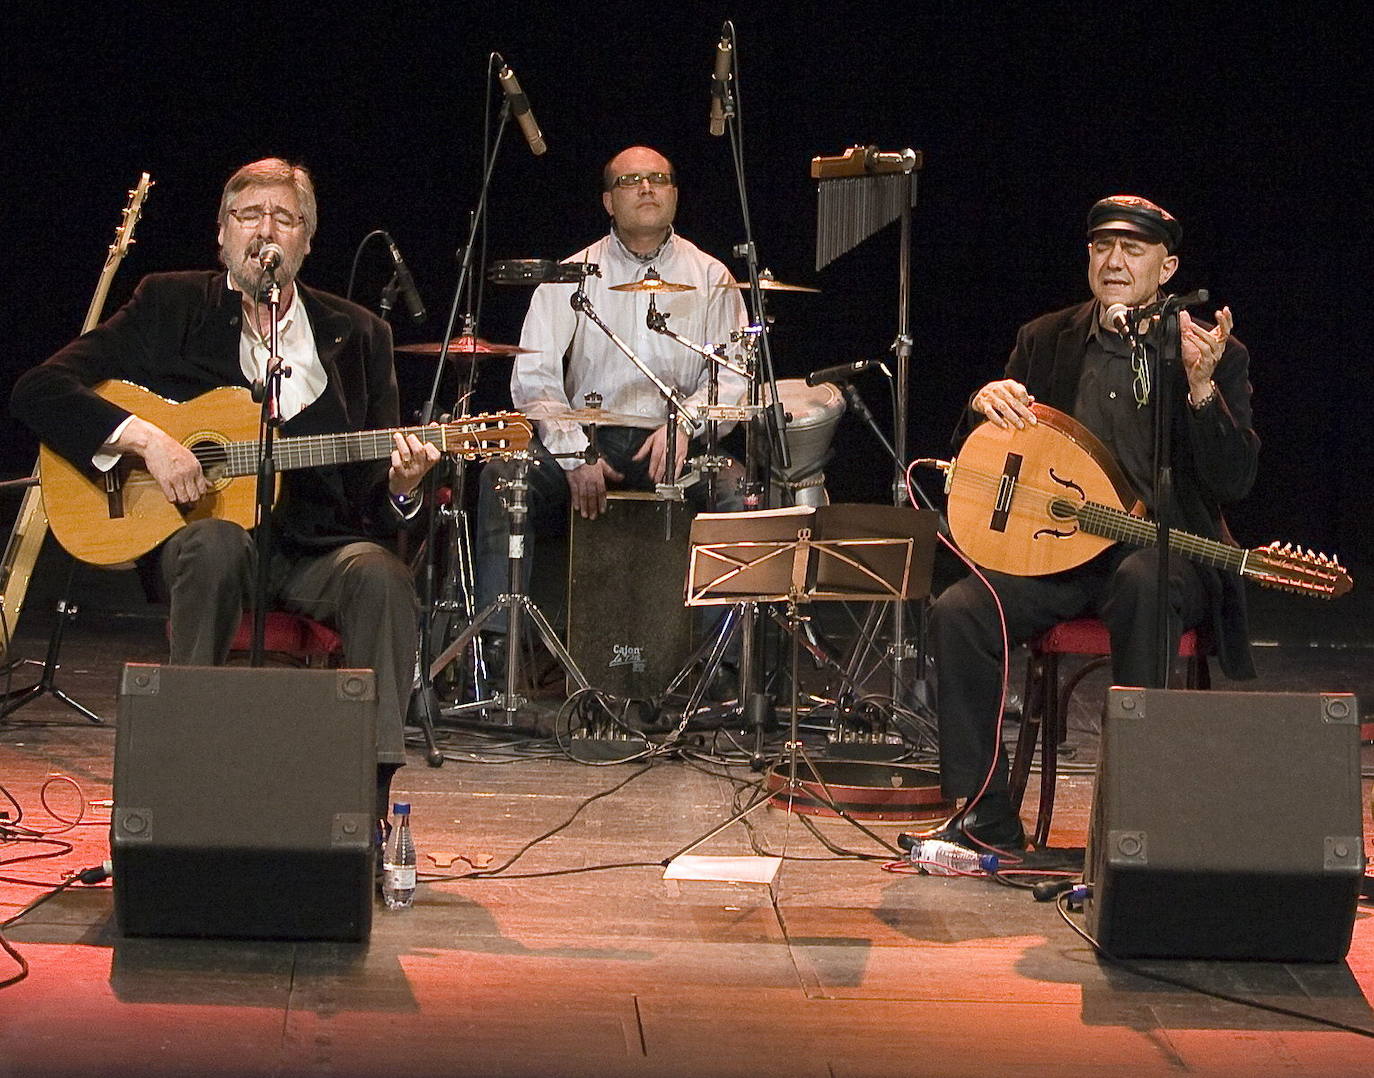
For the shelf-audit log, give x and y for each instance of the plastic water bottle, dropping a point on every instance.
(937, 857)
(398, 861)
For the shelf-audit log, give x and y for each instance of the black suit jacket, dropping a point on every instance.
(178, 336)
(1215, 451)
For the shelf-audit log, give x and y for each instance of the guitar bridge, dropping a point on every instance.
(114, 491)
(1006, 489)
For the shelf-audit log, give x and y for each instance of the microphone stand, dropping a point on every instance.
(758, 488)
(268, 393)
(427, 700)
(1166, 338)
(774, 420)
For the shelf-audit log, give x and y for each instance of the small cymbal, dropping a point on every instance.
(769, 283)
(653, 284)
(593, 415)
(468, 346)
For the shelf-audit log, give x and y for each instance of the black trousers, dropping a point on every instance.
(362, 590)
(1118, 586)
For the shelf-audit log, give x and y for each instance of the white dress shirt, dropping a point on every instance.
(552, 329)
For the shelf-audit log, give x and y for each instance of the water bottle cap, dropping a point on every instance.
(401, 808)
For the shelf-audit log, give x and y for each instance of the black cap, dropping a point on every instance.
(1132, 213)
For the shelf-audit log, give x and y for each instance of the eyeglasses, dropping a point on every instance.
(656, 179)
(251, 217)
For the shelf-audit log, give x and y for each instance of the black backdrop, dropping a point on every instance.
(1245, 123)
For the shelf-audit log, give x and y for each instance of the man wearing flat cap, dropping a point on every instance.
(1073, 360)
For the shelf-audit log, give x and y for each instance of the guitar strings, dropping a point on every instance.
(306, 448)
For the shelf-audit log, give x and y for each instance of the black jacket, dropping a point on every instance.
(178, 336)
(1215, 451)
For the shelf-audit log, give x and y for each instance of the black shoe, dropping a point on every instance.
(983, 827)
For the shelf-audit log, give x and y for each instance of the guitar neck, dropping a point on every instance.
(313, 451)
(1111, 523)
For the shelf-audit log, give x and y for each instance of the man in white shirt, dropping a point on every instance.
(570, 357)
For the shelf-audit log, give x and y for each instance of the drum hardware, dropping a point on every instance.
(465, 288)
(517, 606)
(678, 408)
(538, 271)
(874, 553)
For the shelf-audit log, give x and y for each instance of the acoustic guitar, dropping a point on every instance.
(1050, 497)
(112, 517)
(30, 526)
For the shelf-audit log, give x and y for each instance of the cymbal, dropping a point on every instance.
(769, 283)
(653, 284)
(467, 346)
(593, 415)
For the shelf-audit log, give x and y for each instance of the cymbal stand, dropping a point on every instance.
(712, 462)
(678, 408)
(454, 604)
(517, 605)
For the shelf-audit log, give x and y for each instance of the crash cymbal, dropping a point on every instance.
(462, 346)
(769, 283)
(592, 415)
(653, 284)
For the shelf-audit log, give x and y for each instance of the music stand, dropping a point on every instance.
(803, 554)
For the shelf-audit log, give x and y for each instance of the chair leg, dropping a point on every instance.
(1199, 675)
(1055, 733)
(1032, 710)
(1050, 734)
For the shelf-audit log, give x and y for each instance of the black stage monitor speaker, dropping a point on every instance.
(244, 802)
(1226, 825)
(628, 629)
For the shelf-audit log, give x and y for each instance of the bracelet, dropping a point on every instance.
(1211, 396)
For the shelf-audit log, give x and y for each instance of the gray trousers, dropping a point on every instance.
(361, 590)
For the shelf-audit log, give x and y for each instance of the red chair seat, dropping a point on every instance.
(1088, 636)
(290, 634)
(294, 636)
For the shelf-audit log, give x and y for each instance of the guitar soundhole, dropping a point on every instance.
(214, 459)
(1062, 509)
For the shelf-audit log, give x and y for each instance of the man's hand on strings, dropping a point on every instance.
(174, 468)
(1006, 403)
(411, 459)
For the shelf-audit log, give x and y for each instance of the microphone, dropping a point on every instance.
(520, 109)
(269, 257)
(841, 373)
(1118, 316)
(406, 282)
(720, 81)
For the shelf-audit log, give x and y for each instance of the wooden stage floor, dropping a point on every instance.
(840, 968)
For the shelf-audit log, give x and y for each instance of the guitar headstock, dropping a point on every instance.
(1293, 569)
(124, 234)
(491, 434)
